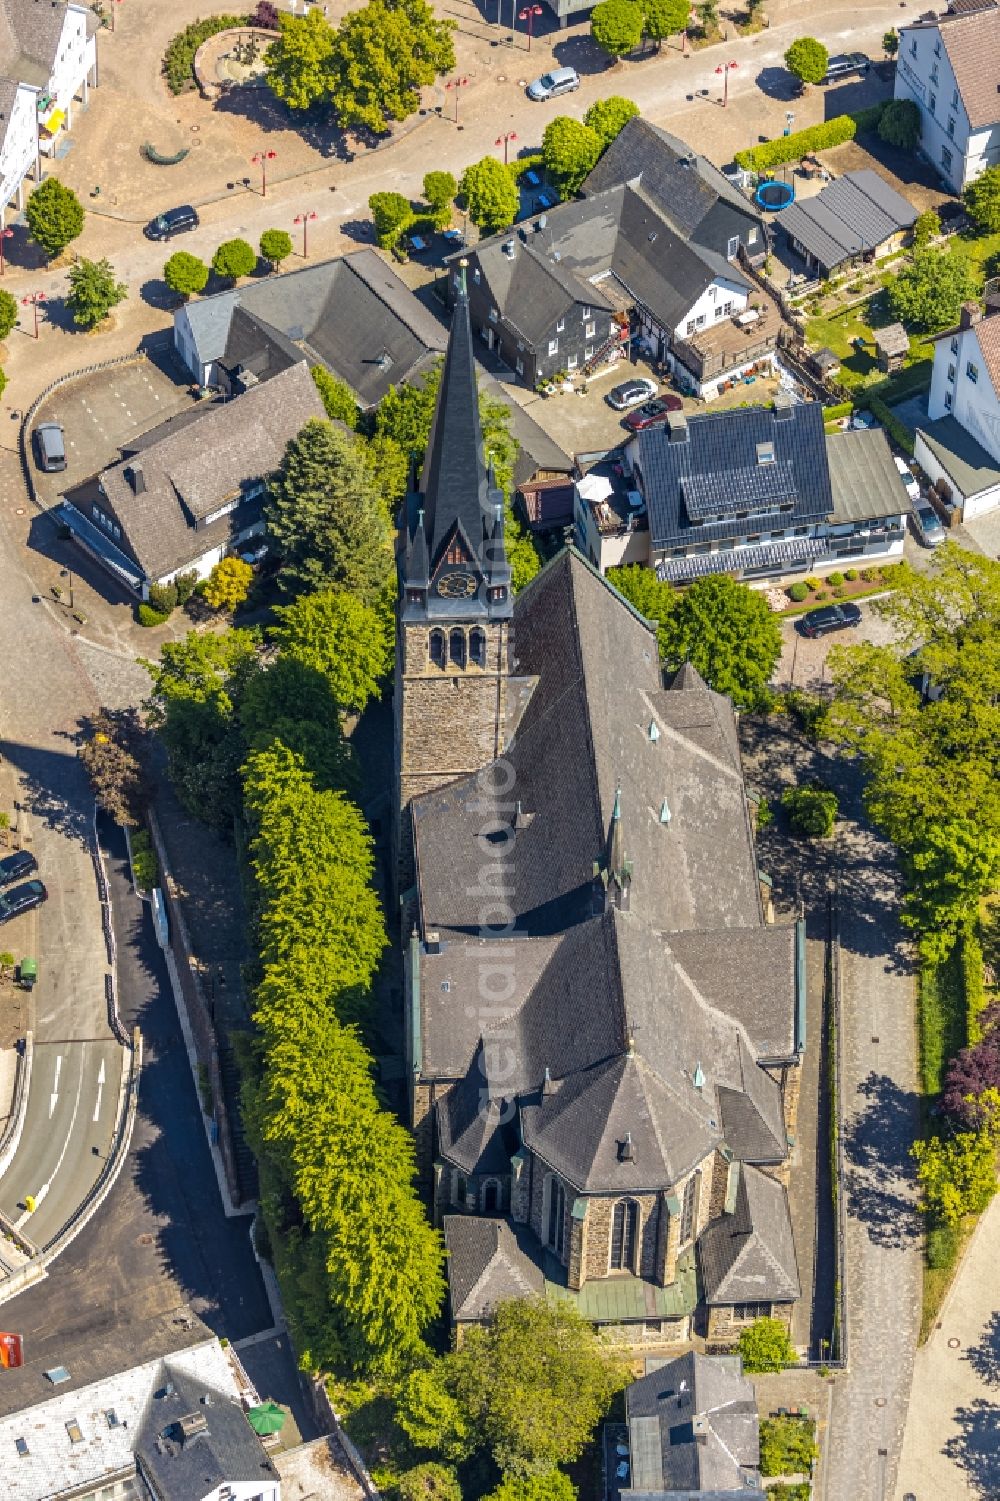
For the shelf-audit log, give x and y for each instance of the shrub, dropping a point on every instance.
(792, 148)
(809, 712)
(764, 814)
(835, 578)
(163, 598)
(942, 1246)
(233, 259)
(926, 228)
(798, 592)
(787, 1446)
(146, 615)
(275, 246)
(822, 594)
(838, 593)
(145, 869)
(812, 809)
(813, 583)
(429, 1482)
(900, 124)
(185, 584)
(871, 575)
(765, 1346)
(178, 60)
(850, 574)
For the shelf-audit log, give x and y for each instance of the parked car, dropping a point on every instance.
(846, 63)
(254, 553)
(553, 85)
(50, 447)
(20, 899)
(652, 412)
(176, 221)
(906, 475)
(631, 393)
(926, 525)
(862, 420)
(830, 618)
(15, 867)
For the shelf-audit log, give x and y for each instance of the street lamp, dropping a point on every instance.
(528, 14)
(725, 69)
(5, 234)
(32, 300)
(67, 573)
(303, 219)
(505, 141)
(260, 159)
(456, 84)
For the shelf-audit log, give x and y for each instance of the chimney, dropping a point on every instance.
(136, 478)
(547, 1084)
(677, 428)
(782, 407)
(433, 942)
(626, 1151)
(971, 314)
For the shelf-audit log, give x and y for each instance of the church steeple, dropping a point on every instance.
(453, 560)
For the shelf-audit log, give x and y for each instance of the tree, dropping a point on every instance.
(275, 246)
(336, 396)
(8, 313)
(429, 1482)
(233, 259)
(929, 293)
(899, 124)
(927, 227)
(931, 782)
(807, 59)
(116, 754)
(616, 26)
(536, 1380)
(440, 189)
(185, 273)
(228, 584)
(957, 1176)
(766, 1346)
(890, 42)
(349, 642)
(430, 1414)
(708, 16)
(327, 516)
(93, 291)
(972, 1074)
(383, 55)
(728, 633)
(663, 18)
(553, 1485)
(54, 214)
(608, 117)
(654, 599)
(391, 213)
(570, 150)
(812, 809)
(787, 1446)
(491, 195)
(982, 200)
(299, 64)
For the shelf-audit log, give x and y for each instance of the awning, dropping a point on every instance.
(93, 540)
(54, 122)
(595, 487)
(267, 1419)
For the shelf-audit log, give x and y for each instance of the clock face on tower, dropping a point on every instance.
(458, 585)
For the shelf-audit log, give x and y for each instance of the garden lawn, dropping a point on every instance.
(860, 367)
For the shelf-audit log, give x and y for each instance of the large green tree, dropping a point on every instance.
(391, 214)
(491, 195)
(608, 117)
(663, 18)
(234, 258)
(765, 1346)
(653, 599)
(275, 246)
(957, 1175)
(931, 766)
(93, 291)
(9, 313)
(299, 63)
(327, 515)
(570, 149)
(899, 124)
(349, 642)
(553, 1485)
(54, 214)
(616, 26)
(929, 293)
(807, 59)
(727, 632)
(440, 189)
(982, 200)
(383, 55)
(185, 273)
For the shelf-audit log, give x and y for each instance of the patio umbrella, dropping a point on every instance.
(266, 1419)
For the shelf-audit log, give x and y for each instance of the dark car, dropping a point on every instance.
(843, 64)
(176, 221)
(15, 867)
(830, 618)
(21, 899)
(50, 447)
(652, 412)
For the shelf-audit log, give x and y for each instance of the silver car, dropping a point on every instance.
(552, 85)
(927, 526)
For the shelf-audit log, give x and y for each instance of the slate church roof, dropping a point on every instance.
(488, 1260)
(693, 1429)
(748, 1256)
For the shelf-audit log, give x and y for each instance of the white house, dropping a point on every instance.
(48, 57)
(959, 448)
(949, 66)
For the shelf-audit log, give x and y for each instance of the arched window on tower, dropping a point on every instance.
(477, 647)
(689, 1208)
(457, 648)
(491, 1196)
(436, 648)
(624, 1233)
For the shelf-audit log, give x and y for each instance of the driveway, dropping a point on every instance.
(803, 661)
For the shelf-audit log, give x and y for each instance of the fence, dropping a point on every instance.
(111, 977)
(839, 1333)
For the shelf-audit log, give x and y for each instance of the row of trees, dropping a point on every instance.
(186, 274)
(370, 69)
(620, 26)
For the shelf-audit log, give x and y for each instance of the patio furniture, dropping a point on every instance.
(545, 200)
(417, 244)
(532, 178)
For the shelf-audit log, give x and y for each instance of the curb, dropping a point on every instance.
(15, 1124)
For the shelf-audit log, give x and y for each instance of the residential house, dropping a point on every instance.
(171, 1428)
(692, 1431)
(959, 446)
(652, 252)
(947, 65)
(191, 490)
(48, 56)
(588, 1070)
(352, 315)
(857, 217)
(754, 491)
(543, 472)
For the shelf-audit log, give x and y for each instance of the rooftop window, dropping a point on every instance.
(765, 453)
(73, 1429)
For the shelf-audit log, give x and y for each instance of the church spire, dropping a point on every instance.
(615, 871)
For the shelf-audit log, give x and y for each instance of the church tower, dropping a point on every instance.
(453, 637)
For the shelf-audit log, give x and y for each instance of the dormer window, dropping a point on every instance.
(765, 453)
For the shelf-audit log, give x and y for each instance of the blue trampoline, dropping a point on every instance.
(775, 196)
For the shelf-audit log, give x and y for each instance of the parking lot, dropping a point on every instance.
(97, 412)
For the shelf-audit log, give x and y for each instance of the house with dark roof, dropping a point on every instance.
(654, 247)
(588, 1068)
(948, 66)
(959, 446)
(754, 491)
(351, 315)
(191, 490)
(858, 217)
(693, 1431)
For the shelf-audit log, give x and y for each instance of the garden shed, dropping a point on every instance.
(893, 345)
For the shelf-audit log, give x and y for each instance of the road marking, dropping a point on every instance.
(43, 1191)
(100, 1090)
(54, 1096)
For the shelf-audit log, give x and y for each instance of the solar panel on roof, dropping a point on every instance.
(721, 492)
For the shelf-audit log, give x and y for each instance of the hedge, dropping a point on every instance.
(841, 409)
(178, 60)
(815, 138)
(147, 616)
(898, 431)
(973, 983)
